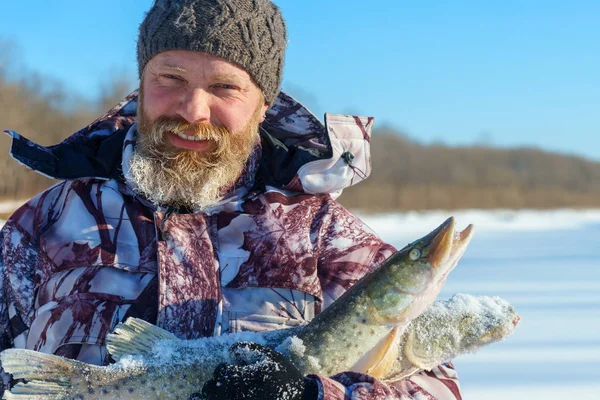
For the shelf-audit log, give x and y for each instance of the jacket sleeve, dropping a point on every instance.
(348, 249)
(5, 337)
(19, 258)
(441, 383)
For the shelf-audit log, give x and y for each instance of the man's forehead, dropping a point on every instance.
(200, 63)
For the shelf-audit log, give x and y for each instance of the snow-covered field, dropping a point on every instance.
(546, 263)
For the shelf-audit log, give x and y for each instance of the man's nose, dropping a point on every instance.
(194, 106)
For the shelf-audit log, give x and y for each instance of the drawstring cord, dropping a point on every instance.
(348, 159)
(170, 211)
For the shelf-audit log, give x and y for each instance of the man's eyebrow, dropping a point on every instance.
(228, 78)
(173, 67)
(217, 77)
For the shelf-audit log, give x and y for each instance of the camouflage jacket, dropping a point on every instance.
(88, 252)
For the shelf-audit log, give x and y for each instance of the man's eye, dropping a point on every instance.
(225, 86)
(169, 76)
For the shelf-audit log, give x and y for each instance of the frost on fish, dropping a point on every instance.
(462, 324)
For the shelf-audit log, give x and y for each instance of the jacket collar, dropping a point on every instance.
(292, 138)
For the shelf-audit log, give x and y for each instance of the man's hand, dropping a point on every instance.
(258, 373)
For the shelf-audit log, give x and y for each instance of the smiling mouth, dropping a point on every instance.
(190, 142)
(190, 138)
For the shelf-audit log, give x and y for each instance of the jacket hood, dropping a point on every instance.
(299, 153)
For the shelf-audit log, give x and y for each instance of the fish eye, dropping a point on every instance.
(414, 254)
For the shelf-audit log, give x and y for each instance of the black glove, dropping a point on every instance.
(258, 373)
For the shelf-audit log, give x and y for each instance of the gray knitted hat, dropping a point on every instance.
(249, 33)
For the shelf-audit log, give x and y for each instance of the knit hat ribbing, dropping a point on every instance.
(249, 33)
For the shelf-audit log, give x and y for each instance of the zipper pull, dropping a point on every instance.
(170, 211)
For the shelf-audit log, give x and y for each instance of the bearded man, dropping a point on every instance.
(204, 204)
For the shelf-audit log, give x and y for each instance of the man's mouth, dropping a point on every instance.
(189, 142)
(191, 138)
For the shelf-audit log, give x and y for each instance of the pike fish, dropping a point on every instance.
(361, 331)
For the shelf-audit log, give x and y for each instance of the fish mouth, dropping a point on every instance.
(516, 320)
(447, 246)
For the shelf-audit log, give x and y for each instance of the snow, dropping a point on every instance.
(545, 263)
(131, 362)
(9, 206)
(535, 392)
(470, 321)
(486, 220)
(292, 346)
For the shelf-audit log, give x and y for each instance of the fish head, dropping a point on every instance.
(442, 248)
(411, 279)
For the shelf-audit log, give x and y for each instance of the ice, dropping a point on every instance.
(421, 222)
(576, 391)
(545, 263)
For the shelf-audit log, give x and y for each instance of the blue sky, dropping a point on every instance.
(507, 73)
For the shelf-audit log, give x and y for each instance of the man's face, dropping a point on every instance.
(198, 118)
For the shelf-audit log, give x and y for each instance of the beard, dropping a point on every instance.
(170, 176)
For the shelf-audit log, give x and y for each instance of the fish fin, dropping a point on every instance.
(135, 336)
(37, 390)
(32, 365)
(386, 355)
(417, 359)
(49, 375)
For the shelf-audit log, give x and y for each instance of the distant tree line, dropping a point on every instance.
(406, 175)
(42, 110)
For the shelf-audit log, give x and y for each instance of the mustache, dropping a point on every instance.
(205, 130)
(154, 141)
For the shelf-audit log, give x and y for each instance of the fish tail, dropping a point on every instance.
(49, 376)
(37, 390)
